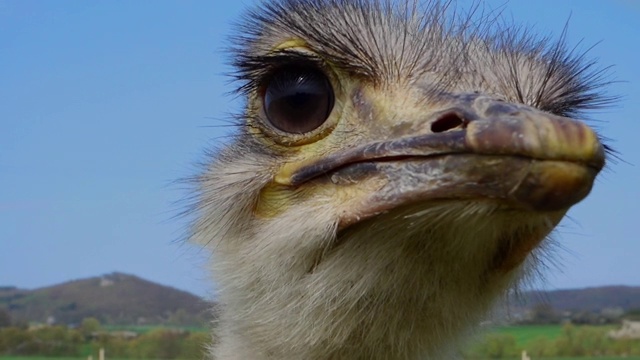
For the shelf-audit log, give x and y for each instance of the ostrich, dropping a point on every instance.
(396, 169)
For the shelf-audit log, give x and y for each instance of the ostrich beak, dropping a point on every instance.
(478, 149)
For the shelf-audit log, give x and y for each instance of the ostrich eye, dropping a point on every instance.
(298, 100)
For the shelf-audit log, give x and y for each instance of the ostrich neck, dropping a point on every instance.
(378, 295)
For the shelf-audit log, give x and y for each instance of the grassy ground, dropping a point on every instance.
(577, 358)
(71, 358)
(530, 337)
(522, 335)
(564, 358)
(43, 358)
(525, 334)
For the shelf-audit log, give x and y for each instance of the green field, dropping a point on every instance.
(45, 358)
(70, 358)
(501, 342)
(573, 358)
(553, 340)
(595, 358)
(525, 334)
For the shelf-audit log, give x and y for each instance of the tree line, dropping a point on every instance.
(163, 343)
(88, 338)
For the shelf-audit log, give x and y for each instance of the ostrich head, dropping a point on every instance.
(393, 174)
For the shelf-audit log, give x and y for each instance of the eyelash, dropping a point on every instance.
(254, 71)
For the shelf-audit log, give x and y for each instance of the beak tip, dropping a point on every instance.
(554, 185)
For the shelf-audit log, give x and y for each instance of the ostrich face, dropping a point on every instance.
(392, 175)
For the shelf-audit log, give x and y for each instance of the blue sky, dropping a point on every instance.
(103, 104)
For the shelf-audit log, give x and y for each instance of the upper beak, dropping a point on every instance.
(479, 148)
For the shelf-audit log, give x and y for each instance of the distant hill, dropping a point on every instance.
(121, 299)
(113, 299)
(588, 299)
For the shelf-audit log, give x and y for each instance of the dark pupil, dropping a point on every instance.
(298, 100)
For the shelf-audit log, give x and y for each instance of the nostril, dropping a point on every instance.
(446, 122)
